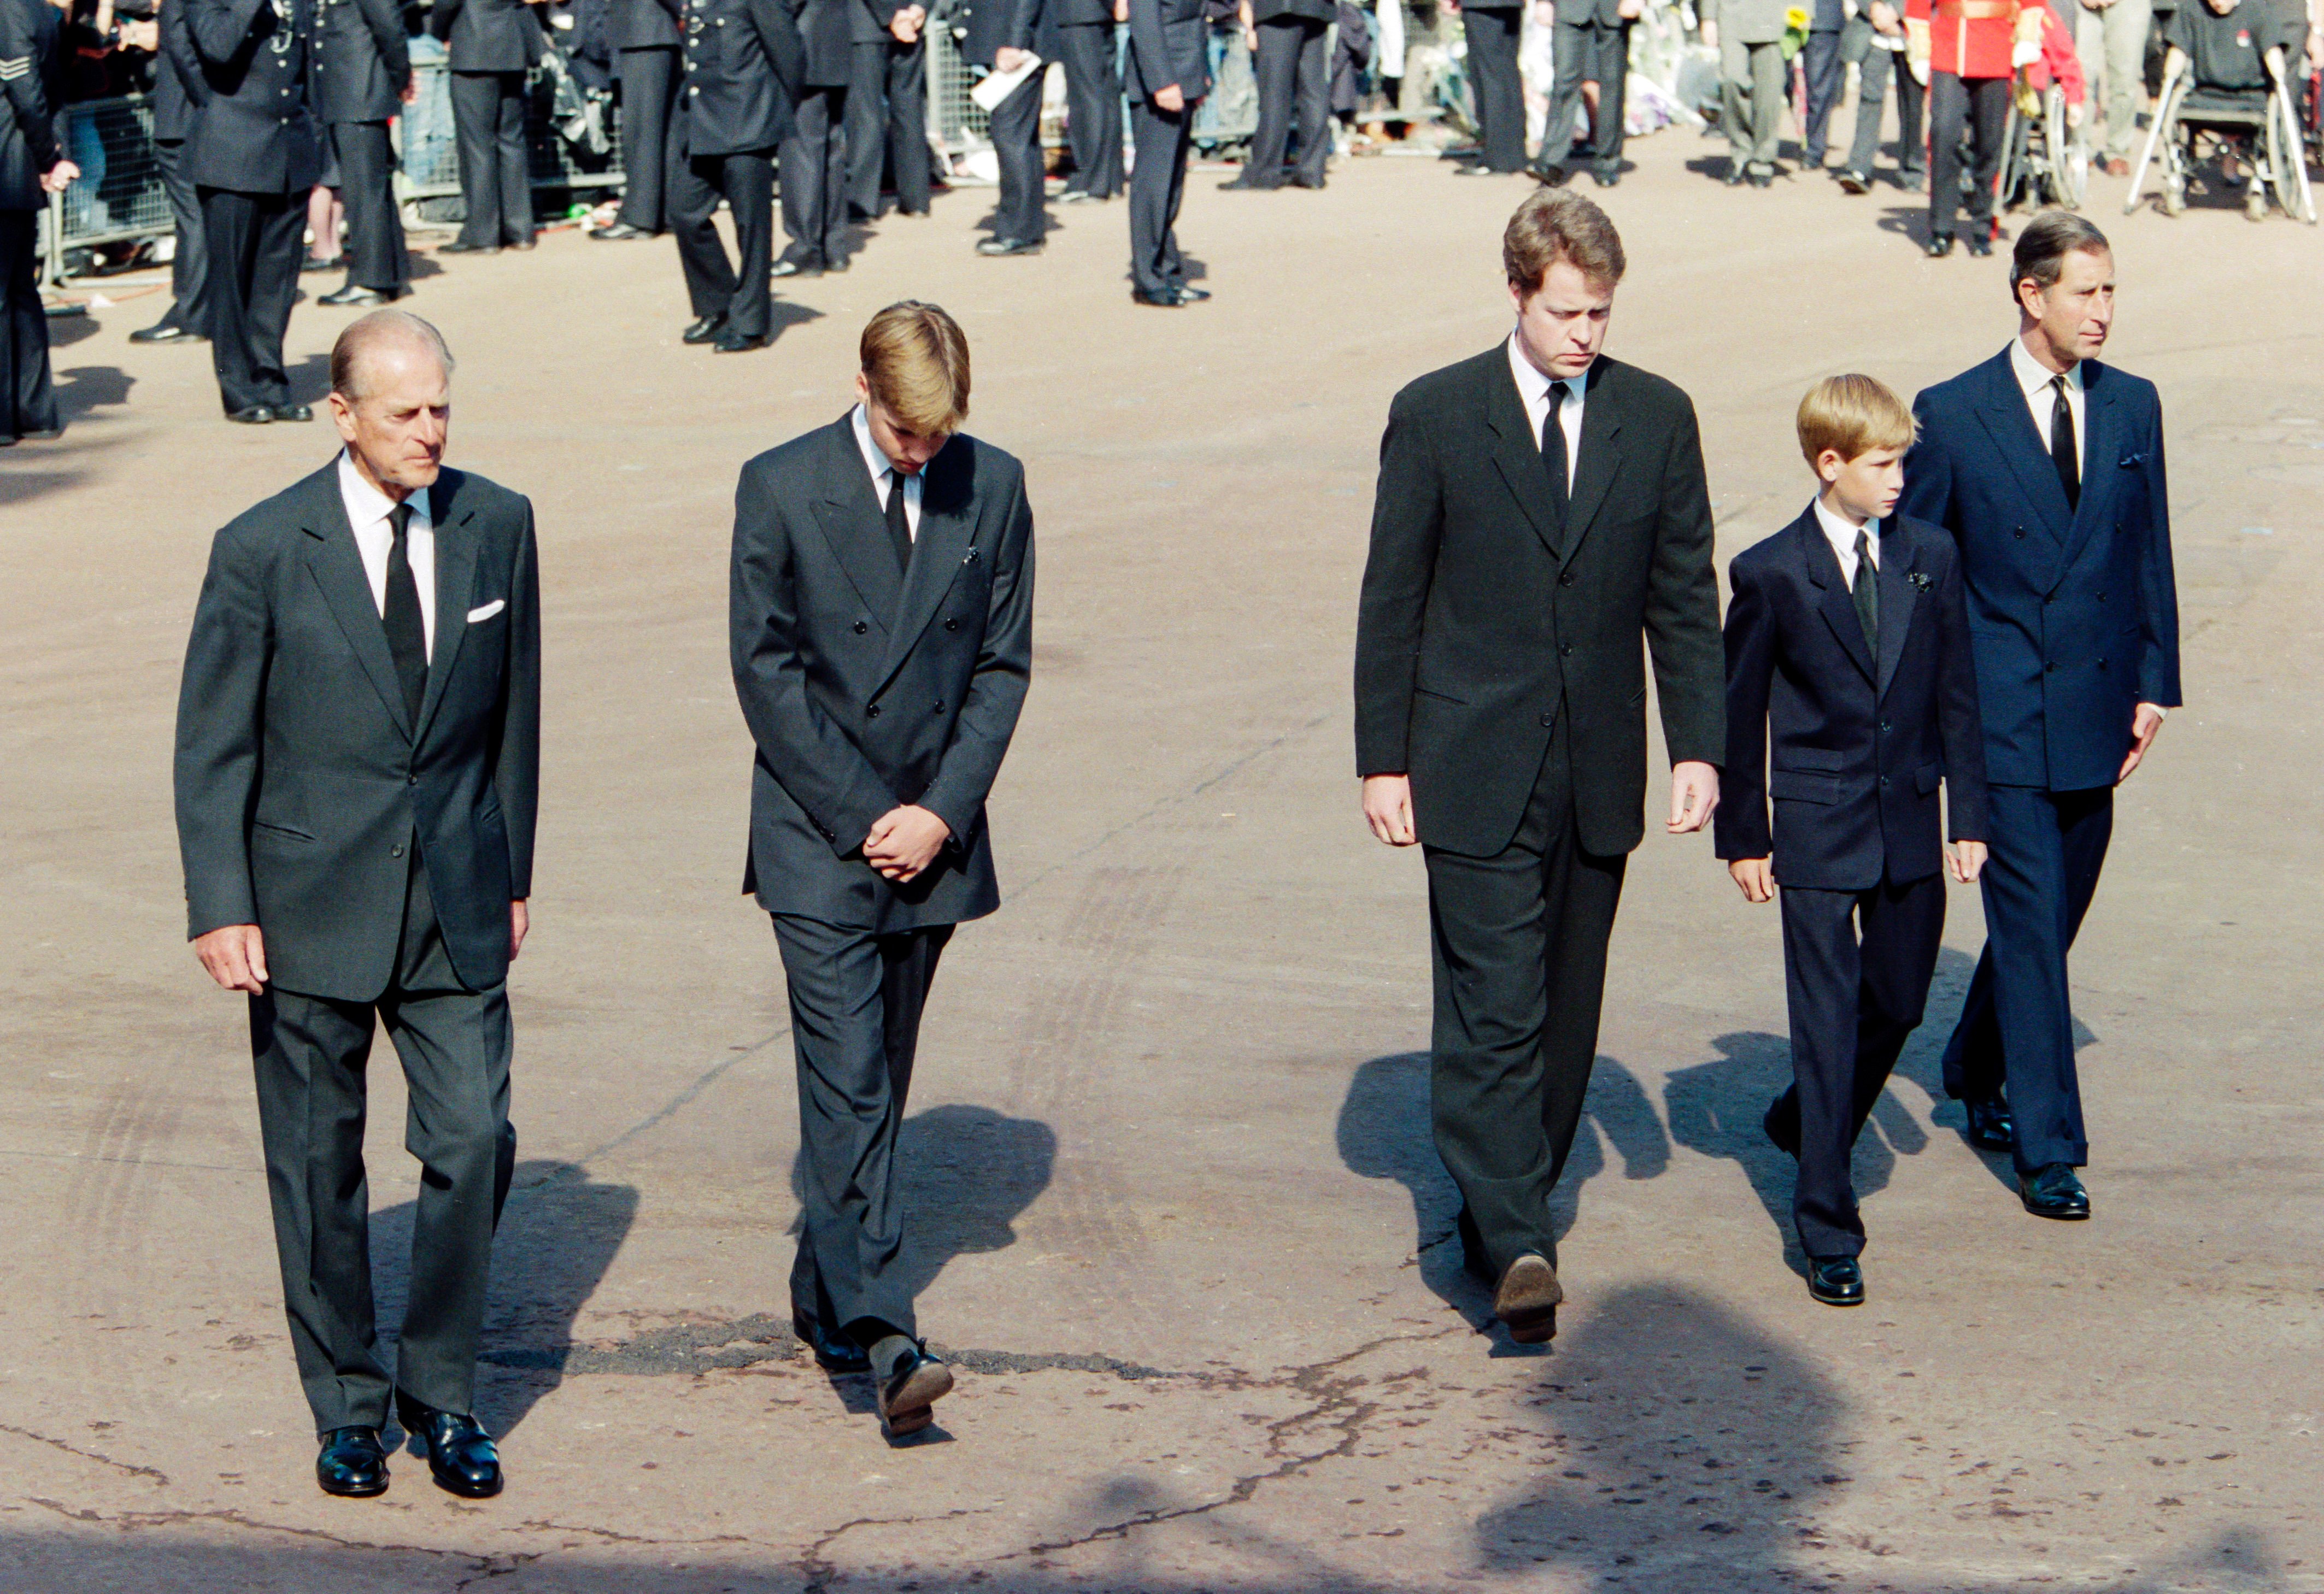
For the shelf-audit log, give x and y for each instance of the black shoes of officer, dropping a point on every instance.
(1161, 298)
(1990, 1127)
(910, 1382)
(2051, 1191)
(317, 264)
(1836, 1281)
(1550, 174)
(1528, 1298)
(460, 1453)
(456, 247)
(355, 293)
(620, 232)
(352, 1464)
(254, 415)
(706, 331)
(834, 1354)
(1854, 182)
(992, 248)
(1939, 245)
(1248, 181)
(731, 342)
(166, 332)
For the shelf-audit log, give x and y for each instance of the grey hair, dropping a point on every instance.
(365, 333)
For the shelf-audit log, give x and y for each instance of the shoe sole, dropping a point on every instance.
(462, 1488)
(1816, 1294)
(2056, 1216)
(909, 1411)
(353, 1494)
(1527, 1300)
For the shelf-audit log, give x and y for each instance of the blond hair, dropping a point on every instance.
(915, 363)
(1852, 415)
(1558, 223)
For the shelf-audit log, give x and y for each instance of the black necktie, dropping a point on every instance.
(900, 530)
(1866, 591)
(1552, 445)
(407, 635)
(2062, 445)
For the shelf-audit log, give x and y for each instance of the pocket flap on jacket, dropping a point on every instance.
(1809, 758)
(1926, 777)
(1794, 786)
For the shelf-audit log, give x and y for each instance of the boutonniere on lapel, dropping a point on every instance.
(1919, 578)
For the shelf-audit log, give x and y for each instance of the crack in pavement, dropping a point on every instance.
(622, 1538)
(89, 1455)
(232, 1518)
(817, 1568)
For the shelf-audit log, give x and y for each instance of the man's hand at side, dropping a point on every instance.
(904, 841)
(520, 921)
(1388, 808)
(1756, 876)
(1694, 793)
(906, 25)
(1005, 59)
(2144, 724)
(1967, 860)
(235, 957)
(1170, 97)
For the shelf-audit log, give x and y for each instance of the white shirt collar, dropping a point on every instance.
(883, 471)
(1533, 383)
(367, 506)
(1842, 537)
(2033, 376)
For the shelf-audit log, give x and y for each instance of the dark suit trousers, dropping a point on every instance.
(856, 1000)
(256, 242)
(1158, 183)
(189, 265)
(1292, 77)
(25, 384)
(1982, 104)
(2044, 852)
(376, 255)
(747, 182)
(1872, 91)
(1498, 88)
(1518, 945)
(1853, 1004)
(1825, 73)
(1912, 118)
(310, 1054)
(496, 176)
(1020, 212)
(815, 179)
(1588, 49)
(650, 88)
(1093, 107)
(888, 125)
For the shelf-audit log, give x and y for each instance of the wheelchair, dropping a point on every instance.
(2260, 124)
(2042, 162)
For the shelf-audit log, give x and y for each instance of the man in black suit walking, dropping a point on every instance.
(253, 154)
(647, 35)
(178, 95)
(362, 76)
(881, 630)
(1289, 66)
(1169, 75)
(32, 166)
(1001, 34)
(1086, 47)
(357, 765)
(888, 108)
(1540, 506)
(743, 65)
(1591, 42)
(815, 154)
(493, 44)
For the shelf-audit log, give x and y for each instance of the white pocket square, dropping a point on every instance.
(488, 610)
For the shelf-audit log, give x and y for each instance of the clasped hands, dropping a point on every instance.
(904, 840)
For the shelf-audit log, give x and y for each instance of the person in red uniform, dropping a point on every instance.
(1974, 50)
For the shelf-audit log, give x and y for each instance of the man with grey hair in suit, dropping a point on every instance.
(358, 764)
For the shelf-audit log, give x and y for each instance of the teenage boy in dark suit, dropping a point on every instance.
(1847, 653)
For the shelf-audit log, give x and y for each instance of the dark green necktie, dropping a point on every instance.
(899, 529)
(1866, 591)
(407, 634)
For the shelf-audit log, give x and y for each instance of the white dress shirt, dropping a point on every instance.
(883, 474)
(1842, 538)
(1533, 387)
(2042, 400)
(368, 509)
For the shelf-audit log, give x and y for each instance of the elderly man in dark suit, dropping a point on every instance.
(888, 107)
(1290, 68)
(743, 66)
(254, 153)
(492, 45)
(881, 628)
(362, 76)
(1087, 47)
(1591, 42)
(178, 95)
(1001, 34)
(2047, 468)
(1169, 76)
(357, 765)
(815, 154)
(647, 36)
(1540, 507)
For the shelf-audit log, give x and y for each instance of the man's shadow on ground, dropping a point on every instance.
(1385, 1132)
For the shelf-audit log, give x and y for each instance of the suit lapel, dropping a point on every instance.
(338, 567)
(1898, 597)
(847, 511)
(1833, 599)
(1593, 473)
(456, 583)
(1516, 451)
(2010, 424)
(2102, 455)
(944, 541)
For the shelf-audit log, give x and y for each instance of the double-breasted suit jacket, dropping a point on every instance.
(1858, 745)
(301, 782)
(866, 688)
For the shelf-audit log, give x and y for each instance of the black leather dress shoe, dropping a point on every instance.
(1783, 1128)
(1854, 182)
(1990, 1127)
(353, 294)
(1605, 176)
(1189, 294)
(914, 1383)
(352, 1463)
(834, 1354)
(166, 332)
(731, 342)
(255, 415)
(994, 248)
(1247, 182)
(1836, 1281)
(294, 411)
(1162, 298)
(620, 232)
(1528, 1298)
(1548, 173)
(2051, 1191)
(1939, 245)
(706, 331)
(461, 1455)
(1980, 244)
(812, 266)
(456, 247)
(316, 262)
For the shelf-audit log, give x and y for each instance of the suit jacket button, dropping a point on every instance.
(873, 712)
(411, 780)
(861, 628)
(940, 706)
(950, 623)
(1548, 720)
(2101, 598)
(396, 851)
(1884, 780)
(2021, 530)
(2101, 664)
(2054, 667)
(1565, 578)
(1565, 649)
(1884, 724)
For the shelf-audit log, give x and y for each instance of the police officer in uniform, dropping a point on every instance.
(744, 62)
(362, 74)
(253, 154)
(646, 33)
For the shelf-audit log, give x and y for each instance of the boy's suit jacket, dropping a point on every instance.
(1859, 745)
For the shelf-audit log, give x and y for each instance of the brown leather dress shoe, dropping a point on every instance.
(1528, 1298)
